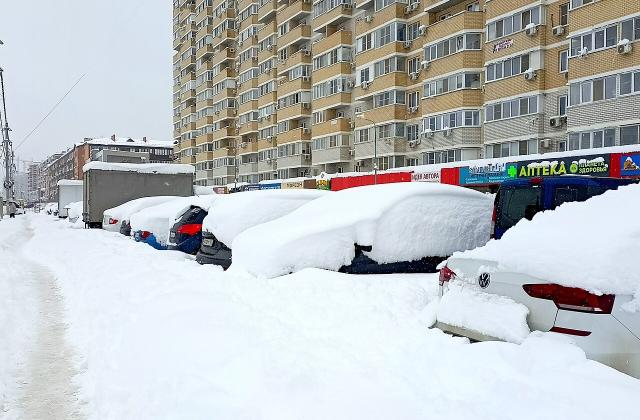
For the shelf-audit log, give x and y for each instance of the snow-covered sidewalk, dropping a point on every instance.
(160, 337)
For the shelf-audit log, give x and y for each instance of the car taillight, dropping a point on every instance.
(191, 229)
(112, 221)
(571, 298)
(445, 275)
(145, 234)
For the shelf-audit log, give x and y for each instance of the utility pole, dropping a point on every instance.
(7, 148)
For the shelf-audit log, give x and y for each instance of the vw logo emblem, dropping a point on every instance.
(484, 279)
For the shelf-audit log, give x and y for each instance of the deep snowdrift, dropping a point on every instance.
(594, 245)
(240, 211)
(160, 218)
(183, 341)
(404, 221)
(124, 211)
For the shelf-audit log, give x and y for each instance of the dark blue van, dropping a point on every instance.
(523, 198)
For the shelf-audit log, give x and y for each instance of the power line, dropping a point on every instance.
(50, 112)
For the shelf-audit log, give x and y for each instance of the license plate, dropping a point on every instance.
(172, 235)
(207, 242)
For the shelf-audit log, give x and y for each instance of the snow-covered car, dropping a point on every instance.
(152, 224)
(403, 227)
(571, 271)
(186, 233)
(241, 211)
(51, 209)
(114, 218)
(74, 211)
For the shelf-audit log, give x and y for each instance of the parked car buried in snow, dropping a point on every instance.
(397, 227)
(117, 219)
(240, 211)
(571, 271)
(186, 233)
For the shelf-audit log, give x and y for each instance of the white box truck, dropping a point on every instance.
(107, 185)
(69, 191)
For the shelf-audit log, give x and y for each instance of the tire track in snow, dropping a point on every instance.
(46, 383)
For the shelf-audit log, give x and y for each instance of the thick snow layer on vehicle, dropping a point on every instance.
(50, 207)
(124, 211)
(240, 211)
(70, 182)
(202, 190)
(143, 168)
(74, 211)
(492, 315)
(184, 341)
(402, 222)
(593, 245)
(160, 218)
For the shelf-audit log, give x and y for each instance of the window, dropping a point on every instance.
(564, 61)
(510, 67)
(444, 156)
(473, 7)
(629, 135)
(562, 105)
(469, 118)
(591, 139)
(629, 83)
(514, 23)
(593, 90)
(598, 39)
(578, 3)
(630, 29)
(564, 14)
(470, 41)
(513, 108)
(452, 83)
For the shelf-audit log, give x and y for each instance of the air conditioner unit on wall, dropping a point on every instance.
(624, 47)
(557, 121)
(368, 18)
(530, 74)
(558, 30)
(531, 29)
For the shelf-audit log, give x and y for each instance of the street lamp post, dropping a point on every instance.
(375, 147)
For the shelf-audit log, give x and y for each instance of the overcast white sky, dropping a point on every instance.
(123, 46)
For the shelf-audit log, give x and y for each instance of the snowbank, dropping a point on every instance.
(74, 211)
(124, 211)
(593, 245)
(184, 341)
(501, 317)
(142, 168)
(160, 218)
(202, 190)
(403, 221)
(70, 182)
(240, 211)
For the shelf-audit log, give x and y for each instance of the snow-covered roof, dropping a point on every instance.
(592, 245)
(70, 182)
(143, 168)
(238, 212)
(402, 221)
(127, 141)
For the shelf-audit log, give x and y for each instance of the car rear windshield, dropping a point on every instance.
(194, 215)
(513, 203)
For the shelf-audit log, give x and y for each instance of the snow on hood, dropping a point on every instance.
(593, 245)
(403, 221)
(158, 219)
(142, 168)
(240, 211)
(124, 211)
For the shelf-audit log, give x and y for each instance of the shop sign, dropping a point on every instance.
(594, 165)
(630, 165)
(490, 173)
(271, 186)
(425, 176)
(323, 184)
(296, 185)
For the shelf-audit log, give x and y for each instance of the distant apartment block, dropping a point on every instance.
(270, 89)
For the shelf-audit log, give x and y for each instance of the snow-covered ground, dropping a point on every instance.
(156, 336)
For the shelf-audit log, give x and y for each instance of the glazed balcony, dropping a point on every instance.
(267, 54)
(335, 126)
(331, 155)
(388, 14)
(391, 146)
(223, 55)
(339, 14)
(191, 160)
(247, 168)
(206, 11)
(294, 135)
(385, 113)
(294, 10)
(371, 56)
(269, 165)
(267, 10)
(248, 147)
(301, 110)
(266, 76)
(381, 83)
(301, 83)
(329, 72)
(247, 106)
(456, 23)
(269, 98)
(298, 35)
(332, 101)
(296, 161)
(248, 128)
(296, 59)
(204, 156)
(189, 62)
(332, 41)
(224, 172)
(267, 144)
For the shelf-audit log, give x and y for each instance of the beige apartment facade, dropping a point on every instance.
(271, 89)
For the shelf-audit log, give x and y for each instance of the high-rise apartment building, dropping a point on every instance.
(268, 89)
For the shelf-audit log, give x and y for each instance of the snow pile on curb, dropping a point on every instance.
(492, 315)
(183, 341)
(403, 221)
(240, 211)
(593, 245)
(160, 218)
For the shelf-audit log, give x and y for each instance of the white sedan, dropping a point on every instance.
(114, 218)
(572, 271)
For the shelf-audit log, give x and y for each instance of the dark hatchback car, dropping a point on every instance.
(186, 233)
(362, 264)
(212, 251)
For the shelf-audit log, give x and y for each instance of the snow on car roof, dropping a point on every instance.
(124, 211)
(70, 182)
(143, 168)
(403, 221)
(158, 219)
(240, 211)
(593, 245)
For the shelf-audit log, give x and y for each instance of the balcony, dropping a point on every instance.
(332, 41)
(336, 100)
(335, 126)
(224, 172)
(291, 86)
(294, 10)
(267, 144)
(335, 16)
(456, 23)
(224, 39)
(188, 63)
(266, 76)
(248, 128)
(295, 135)
(462, 60)
(269, 98)
(191, 160)
(224, 74)
(247, 168)
(223, 55)
(267, 10)
(388, 14)
(382, 83)
(266, 54)
(331, 155)
(204, 156)
(386, 113)
(296, 161)
(204, 52)
(248, 147)
(329, 72)
(269, 165)
(296, 59)
(386, 147)
(435, 6)
(206, 11)
(300, 110)
(298, 35)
